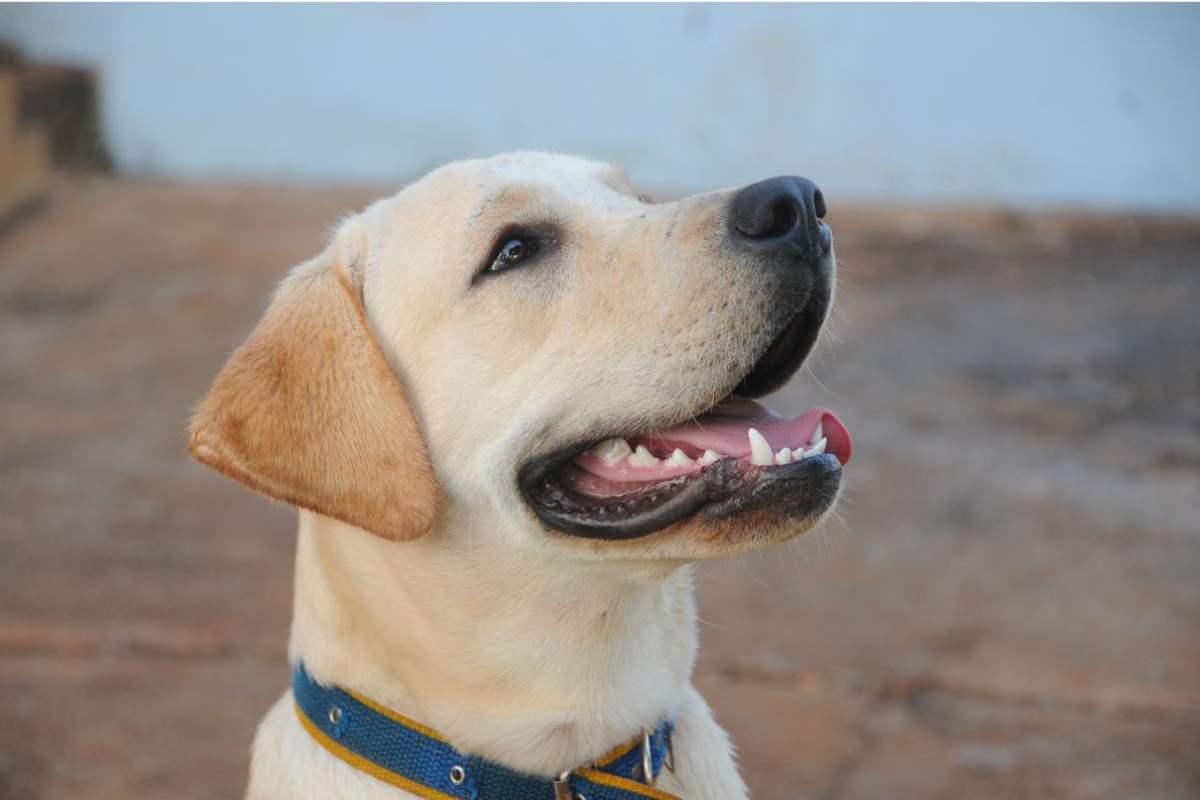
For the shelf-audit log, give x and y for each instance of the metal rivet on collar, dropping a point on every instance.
(457, 775)
(562, 787)
(563, 790)
(335, 715)
(648, 775)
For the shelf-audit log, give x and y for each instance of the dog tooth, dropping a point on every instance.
(610, 451)
(679, 459)
(817, 448)
(784, 456)
(818, 433)
(709, 457)
(761, 453)
(642, 458)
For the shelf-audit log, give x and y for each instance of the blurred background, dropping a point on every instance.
(1009, 603)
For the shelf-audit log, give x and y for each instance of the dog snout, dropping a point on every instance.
(782, 214)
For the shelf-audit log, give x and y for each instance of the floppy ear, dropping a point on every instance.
(309, 412)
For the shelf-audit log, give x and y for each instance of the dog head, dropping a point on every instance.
(525, 344)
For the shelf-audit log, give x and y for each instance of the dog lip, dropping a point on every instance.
(787, 352)
(692, 495)
(803, 489)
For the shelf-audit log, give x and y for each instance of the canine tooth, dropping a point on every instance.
(817, 448)
(679, 459)
(761, 453)
(784, 456)
(818, 433)
(610, 451)
(642, 458)
(709, 457)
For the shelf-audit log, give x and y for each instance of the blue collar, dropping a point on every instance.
(408, 755)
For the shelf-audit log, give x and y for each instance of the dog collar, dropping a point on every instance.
(408, 755)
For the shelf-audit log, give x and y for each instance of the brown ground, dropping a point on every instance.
(1010, 609)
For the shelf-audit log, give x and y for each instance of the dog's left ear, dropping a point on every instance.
(308, 410)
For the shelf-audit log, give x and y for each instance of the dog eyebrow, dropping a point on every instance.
(505, 196)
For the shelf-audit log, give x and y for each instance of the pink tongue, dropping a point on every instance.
(724, 430)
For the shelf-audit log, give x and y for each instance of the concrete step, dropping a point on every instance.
(25, 158)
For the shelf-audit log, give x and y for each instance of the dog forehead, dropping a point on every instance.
(468, 184)
(570, 175)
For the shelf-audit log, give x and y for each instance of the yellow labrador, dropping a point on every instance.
(513, 404)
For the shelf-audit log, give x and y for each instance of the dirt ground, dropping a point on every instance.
(1008, 606)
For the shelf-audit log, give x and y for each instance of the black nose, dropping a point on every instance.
(784, 212)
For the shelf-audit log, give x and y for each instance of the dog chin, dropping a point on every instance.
(782, 506)
(713, 538)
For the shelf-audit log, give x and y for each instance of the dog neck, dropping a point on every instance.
(513, 653)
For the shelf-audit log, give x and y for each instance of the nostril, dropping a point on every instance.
(819, 204)
(771, 222)
(784, 216)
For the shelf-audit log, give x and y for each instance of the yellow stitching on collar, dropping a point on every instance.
(617, 782)
(617, 752)
(365, 765)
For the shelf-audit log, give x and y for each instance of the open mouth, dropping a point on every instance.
(737, 456)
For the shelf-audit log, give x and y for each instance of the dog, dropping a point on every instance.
(514, 405)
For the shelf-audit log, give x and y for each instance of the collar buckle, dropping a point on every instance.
(647, 765)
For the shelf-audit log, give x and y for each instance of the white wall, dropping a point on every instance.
(1024, 105)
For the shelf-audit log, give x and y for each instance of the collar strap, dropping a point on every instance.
(406, 754)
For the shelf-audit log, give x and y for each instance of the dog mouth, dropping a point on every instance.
(735, 457)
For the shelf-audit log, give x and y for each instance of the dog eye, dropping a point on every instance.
(513, 250)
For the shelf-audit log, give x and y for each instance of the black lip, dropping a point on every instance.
(802, 490)
(791, 347)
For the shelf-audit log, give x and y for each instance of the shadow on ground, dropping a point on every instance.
(1008, 606)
